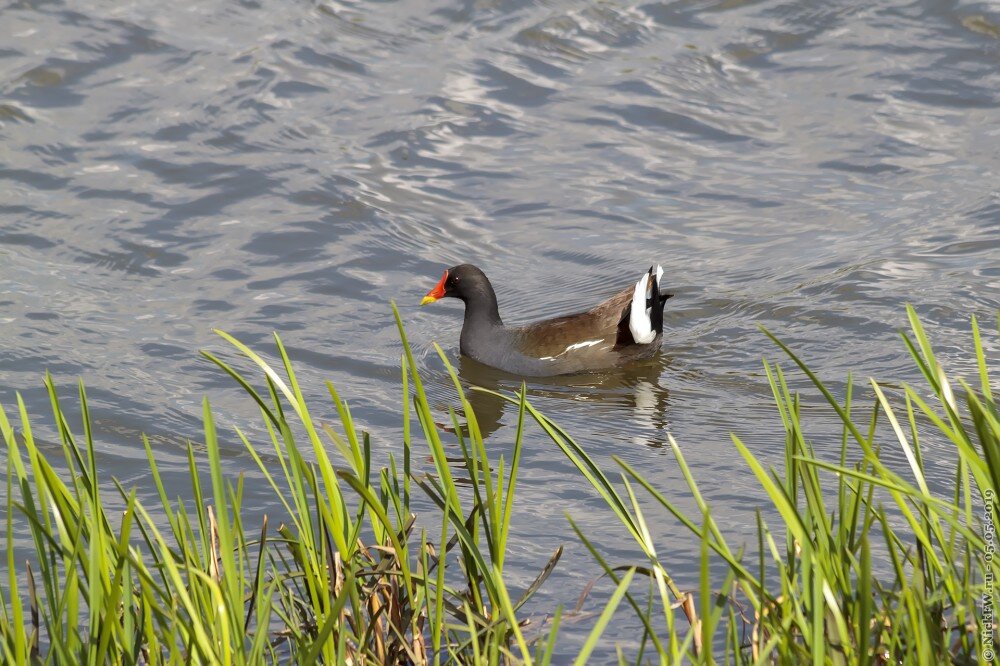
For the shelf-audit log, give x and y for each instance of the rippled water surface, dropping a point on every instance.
(167, 168)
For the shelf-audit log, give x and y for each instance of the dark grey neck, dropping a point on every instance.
(481, 308)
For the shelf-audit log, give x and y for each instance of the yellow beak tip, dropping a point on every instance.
(427, 299)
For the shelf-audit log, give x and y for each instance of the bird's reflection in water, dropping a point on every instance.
(631, 397)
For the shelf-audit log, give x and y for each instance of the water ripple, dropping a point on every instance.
(295, 167)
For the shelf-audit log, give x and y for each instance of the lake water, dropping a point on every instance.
(169, 168)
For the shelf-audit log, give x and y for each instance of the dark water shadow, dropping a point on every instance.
(634, 390)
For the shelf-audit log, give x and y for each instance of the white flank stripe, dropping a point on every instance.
(578, 345)
(587, 343)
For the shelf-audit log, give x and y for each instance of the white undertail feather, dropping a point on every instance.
(639, 321)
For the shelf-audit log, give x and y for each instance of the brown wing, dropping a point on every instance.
(553, 337)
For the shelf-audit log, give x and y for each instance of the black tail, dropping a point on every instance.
(655, 304)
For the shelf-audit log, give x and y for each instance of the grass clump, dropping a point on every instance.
(855, 561)
(348, 578)
(859, 563)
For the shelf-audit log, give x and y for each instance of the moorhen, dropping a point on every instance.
(626, 327)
